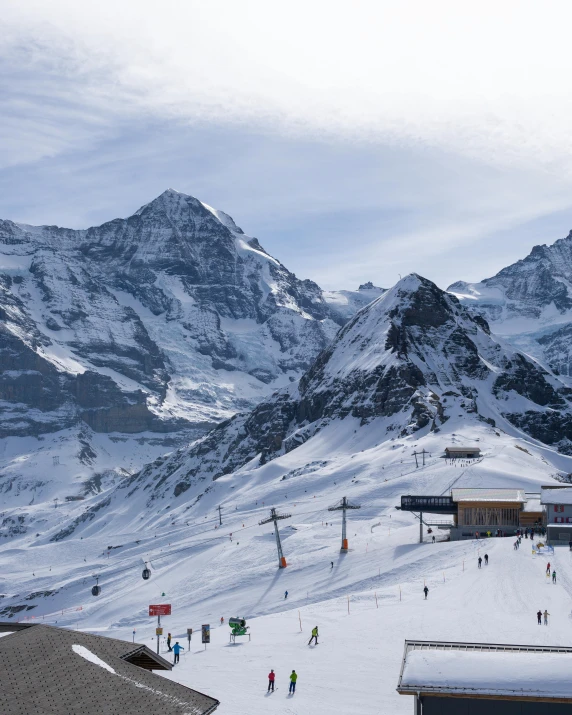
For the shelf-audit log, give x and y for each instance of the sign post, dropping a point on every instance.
(161, 609)
(206, 634)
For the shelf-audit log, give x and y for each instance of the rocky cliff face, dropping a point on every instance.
(411, 360)
(530, 303)
(170, 316)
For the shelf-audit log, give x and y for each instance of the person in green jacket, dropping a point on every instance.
(293, 679)
(314, 635)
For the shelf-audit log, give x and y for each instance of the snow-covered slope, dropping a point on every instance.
(347, 302)
(530, 303)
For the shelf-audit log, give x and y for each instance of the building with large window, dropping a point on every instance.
(487, 511)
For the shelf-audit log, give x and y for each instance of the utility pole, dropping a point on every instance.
(416, 462)
(343, 506)
(219, 515)
(424, 453)
(275, 517)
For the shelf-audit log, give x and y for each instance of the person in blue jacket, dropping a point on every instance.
(176, 650)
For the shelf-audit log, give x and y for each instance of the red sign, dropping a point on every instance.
(163, 609)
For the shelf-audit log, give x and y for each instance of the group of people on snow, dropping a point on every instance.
(480, 560)
(272, 678)
(539, 617)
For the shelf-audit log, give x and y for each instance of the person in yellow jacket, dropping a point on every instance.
(314, 635)
(293, 679)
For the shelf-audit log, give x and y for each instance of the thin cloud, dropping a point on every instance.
(489, 79)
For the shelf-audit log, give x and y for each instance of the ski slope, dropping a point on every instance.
(205, 575)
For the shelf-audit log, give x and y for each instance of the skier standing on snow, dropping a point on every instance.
(546, 614)
(554, 576)
(314, 635)
(271, 678)
(480, 562)
(425, 591)
(548, 569)
(293, 679)
(176, 650)
(285, 595)
(539, 616)
(486, 559)
(332, 564)
(169, 642)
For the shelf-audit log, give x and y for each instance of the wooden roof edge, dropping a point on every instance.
(484, 695)
(145, 650)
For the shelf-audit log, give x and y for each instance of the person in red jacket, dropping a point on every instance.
(271, 678)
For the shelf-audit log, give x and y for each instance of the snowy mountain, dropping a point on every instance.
(172, 313)
(530, 303)
(409, 362)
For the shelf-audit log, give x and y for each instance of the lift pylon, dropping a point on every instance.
(343, 506)
(275, 517)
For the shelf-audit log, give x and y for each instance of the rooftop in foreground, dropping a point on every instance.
(486, 670)
(48, 670)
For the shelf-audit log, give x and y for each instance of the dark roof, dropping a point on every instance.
(50, 671)
(462, 449)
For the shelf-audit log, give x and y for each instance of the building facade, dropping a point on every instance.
(557, 500)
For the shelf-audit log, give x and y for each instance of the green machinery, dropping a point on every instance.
(238, 628)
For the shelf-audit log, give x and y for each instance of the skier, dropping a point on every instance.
(169, 642)
(480, 562)
(176, 650)
(293, 679)
(271, 678)
(515, 545)
(426, 592)
(554, 576)
(314, 635)
(222, 620)
(539, 617)
(546, 614)
(433, 539)
(332, 564)
(548, 569)
(285, 595)
(486, 559)
(570, 544)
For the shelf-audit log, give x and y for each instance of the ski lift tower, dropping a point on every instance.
(343, 506)
(275, 517)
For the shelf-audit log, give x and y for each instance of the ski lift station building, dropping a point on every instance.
(462, 452)
(486, 679)
(45, 669)
(476, 510)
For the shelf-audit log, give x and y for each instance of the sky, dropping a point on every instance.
(357, 141)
